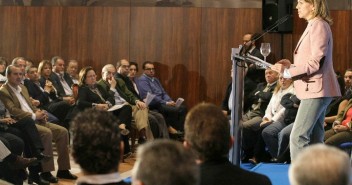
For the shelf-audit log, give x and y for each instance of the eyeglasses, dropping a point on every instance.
(149, 69)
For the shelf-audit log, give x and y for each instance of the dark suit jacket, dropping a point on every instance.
(254, 73)
(86, 97)
(55, 79)
(36, 93)
(222, 172)
(121, 89)
(264, 96)
(248, 86)
(129, 84)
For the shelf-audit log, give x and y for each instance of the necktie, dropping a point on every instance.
(257, 106)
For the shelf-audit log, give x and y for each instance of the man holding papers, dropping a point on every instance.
(174, 115)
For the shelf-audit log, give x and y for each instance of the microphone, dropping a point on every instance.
(246, 47)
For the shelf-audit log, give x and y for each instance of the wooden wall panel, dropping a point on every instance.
(190, 45)
(171, 38)
(222, 29)
(96, 36)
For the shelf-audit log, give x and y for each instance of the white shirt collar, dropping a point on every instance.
(100, 178)
(18, 89)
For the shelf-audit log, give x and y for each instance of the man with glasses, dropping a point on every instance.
(174, 115)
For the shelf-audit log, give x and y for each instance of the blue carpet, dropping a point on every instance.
(277, 173)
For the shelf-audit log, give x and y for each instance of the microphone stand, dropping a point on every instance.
(237, 90)
(236, 108)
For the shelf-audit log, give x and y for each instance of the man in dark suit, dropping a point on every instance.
(11, 162)
(208, 121)
(97, 147)
(258, 100)
(156, 120)
(254, 73)
(16, 98)
(61, 80)
(47, 97)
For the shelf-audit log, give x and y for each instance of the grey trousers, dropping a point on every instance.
(308, 127)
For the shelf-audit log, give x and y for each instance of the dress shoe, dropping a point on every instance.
(142, 140)
(37, 179)
(273, 160)
(127, 155)
(43, 158)
(22, 163)
(253, 161)
(65, 174)
(178, 135)
(49, 177)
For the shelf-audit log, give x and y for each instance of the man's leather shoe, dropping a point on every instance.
(65, 174)
(43, 158)
(22, 163)
(49, 177)
(37, 179)
(142, 140)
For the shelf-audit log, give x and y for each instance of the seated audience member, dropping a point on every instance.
(277, 135)
(348, 81)
(156, 120)
(11, 161)
(16, 99)
(339, 103)
(91, 95)
(154, 117)
(248, 86)
(165, 162)
(123, 96)
(341, 128)
(3, 65)
(61, 80)
(207, 132)
(320, 164)
(259, 99)
(27, 131)
(274, 114)
(21, 63)
(162, 102)
(47, 97)
(72, 70)
(46, 79)
(97, 147)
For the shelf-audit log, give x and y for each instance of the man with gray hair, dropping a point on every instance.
(320, 164)
(165, 162)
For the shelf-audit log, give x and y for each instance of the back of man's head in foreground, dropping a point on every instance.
(207, 131)
(165, 162)
(96, 141)
(320, 164)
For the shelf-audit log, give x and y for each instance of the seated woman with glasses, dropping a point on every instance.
(92, 95)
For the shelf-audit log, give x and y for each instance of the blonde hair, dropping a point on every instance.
(321, 10)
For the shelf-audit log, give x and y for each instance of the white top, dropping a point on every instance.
(275, 111)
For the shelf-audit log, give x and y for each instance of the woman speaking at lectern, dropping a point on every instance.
(313, 74)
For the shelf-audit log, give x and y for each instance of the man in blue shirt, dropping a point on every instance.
(174, 115)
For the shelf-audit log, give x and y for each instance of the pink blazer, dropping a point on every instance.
(316, 76)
